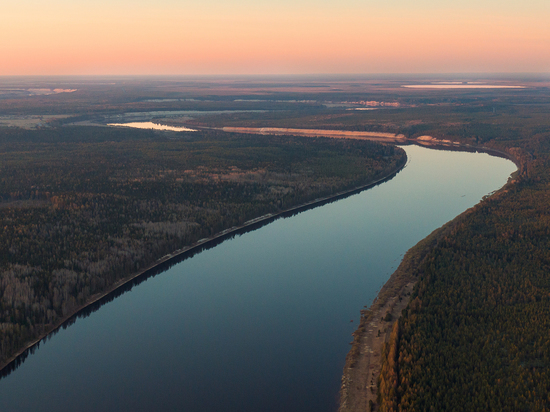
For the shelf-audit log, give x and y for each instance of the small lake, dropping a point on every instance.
(151, 125)
(261, 322)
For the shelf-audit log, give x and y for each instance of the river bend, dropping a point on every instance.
(261, 322)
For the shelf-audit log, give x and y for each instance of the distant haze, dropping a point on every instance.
(143, 37)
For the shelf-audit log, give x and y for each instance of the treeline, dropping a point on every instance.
(475, 334)
(81, 208)
(96, 102)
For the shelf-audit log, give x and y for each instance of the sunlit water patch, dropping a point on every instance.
(151, 125)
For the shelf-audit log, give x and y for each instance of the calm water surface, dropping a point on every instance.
(260, 322)
(151, 125)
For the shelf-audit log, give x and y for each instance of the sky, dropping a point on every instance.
(179, 37)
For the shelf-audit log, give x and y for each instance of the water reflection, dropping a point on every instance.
(163, 267)
(260, 322)
(151, 125)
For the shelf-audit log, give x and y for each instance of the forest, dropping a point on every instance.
(83, 207)
(475, 333)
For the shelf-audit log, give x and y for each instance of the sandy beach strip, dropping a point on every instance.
(342, 134)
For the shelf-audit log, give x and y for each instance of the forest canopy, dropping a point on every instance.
(83, 207)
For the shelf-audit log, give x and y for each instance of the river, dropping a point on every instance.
(261, 322)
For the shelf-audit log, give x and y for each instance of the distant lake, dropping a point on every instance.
(261, 322)
(461, 86)
(151, 125)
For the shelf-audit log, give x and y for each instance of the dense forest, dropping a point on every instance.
(475, 333)
(83, 207)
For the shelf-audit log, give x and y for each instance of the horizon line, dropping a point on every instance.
(272, 75)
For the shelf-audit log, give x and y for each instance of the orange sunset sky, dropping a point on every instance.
(59, 37)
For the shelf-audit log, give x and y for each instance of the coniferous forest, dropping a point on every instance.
(475, 333)
(83, 207)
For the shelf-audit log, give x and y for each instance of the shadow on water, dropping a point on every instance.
(194, 250)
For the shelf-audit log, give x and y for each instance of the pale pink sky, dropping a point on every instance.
(272, 37)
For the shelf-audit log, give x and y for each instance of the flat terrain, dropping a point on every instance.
(481, 290)
(339, 134)
(84, 209)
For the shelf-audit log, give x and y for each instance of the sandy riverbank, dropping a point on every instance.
(363, 363)
(338, 134)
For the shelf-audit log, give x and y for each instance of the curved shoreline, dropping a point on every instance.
(177, 256)
(359, 387)
(97, 300)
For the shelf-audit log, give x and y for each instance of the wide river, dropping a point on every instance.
(261, 322)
